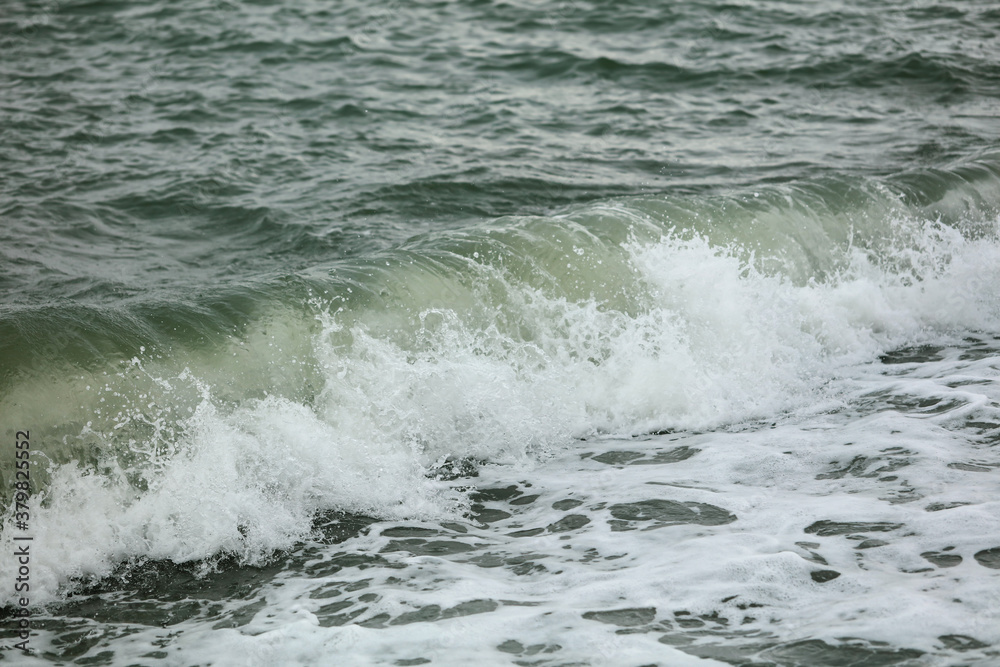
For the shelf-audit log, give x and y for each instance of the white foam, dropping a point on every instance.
(709, 340)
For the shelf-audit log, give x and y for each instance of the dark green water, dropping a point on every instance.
(263, 264)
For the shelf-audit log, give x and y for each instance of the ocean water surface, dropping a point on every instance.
(500, 332)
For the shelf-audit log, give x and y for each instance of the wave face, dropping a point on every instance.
(353, 385)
